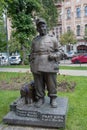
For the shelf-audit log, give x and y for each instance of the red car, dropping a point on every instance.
(79, 59)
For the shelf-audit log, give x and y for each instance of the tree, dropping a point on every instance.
(1, 7)
(3, 44)
(21, 14)
(68, 38)
(50, 12)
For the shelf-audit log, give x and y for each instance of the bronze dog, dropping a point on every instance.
(28, 92)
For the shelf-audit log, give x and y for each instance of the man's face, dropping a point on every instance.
(42, 29)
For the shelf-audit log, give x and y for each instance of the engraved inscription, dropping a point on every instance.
(43, 117)
(30, 114)
(57, 118)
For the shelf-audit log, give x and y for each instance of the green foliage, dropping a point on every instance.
(79, 67)
(64, 84)
(50, 13)
(6, 97)
(1, 7)
(58, 1)
(68, 38)
(3, 44)
(21, 14)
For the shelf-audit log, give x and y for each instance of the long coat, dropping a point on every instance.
(42, 47)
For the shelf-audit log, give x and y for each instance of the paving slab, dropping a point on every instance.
(9, 127)
(61, 71)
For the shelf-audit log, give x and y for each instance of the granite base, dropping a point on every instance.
(45, 116)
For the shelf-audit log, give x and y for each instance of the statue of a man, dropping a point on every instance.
(44, 64)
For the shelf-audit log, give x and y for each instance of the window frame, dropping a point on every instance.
(78, 12)
(78, 31)
(85, 10)
(69, 13)
(68, 28)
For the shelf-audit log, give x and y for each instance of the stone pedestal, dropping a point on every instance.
(45, 116)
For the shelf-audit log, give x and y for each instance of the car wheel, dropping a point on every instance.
(77, 62)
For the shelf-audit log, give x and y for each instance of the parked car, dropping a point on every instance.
(79, 59)
(70, 54)
(4, 60)
(15, 60)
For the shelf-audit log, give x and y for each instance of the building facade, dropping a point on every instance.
(58, 28)
(74, 17)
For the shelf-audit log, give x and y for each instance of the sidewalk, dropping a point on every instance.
(73, 72)
(9, 127)
(61, 71)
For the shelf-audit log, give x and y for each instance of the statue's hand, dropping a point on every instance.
(52, 57)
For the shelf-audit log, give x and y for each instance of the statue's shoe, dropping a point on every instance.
(39, 103)
(53, 103)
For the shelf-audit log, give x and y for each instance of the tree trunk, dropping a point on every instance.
(23, 54)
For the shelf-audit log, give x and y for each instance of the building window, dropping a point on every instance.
(68, 28)
(60, 30)
(68, 13)
(82, 49)
(85, 10)
(85, 26)
(85, 29)
(78, 30)
(77, 0)
(78, 12)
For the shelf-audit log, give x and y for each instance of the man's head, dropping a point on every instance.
(41, 26)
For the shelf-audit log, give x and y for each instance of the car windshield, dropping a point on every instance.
(3, 57)
(70, 52)
(13, 57)
(85, 54)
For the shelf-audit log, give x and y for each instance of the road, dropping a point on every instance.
(68, 63)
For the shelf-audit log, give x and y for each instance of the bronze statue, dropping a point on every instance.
(27, 92)
(44, 60)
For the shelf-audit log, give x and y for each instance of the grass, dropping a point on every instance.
(74, 67)
(77, 101)
(77, 109)
(15, 66)
(61, 67)
(6, 97)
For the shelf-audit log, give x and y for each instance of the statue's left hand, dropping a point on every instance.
(52, 57)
